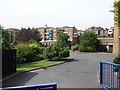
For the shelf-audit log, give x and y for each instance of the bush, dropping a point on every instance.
(55, 52)
(74, 48)
(38, 57)
(66, 52)
(87, 49)
(55, 58)
(24, 53)
(36, 47)
(117, 59)
(100, 47)
(88, 42)
(42, 48)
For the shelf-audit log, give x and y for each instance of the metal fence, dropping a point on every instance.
(51, 86)
(110, 75)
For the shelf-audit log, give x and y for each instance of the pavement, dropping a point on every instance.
(79, 73)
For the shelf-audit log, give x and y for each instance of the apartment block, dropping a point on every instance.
(12, 32)
(49, 33)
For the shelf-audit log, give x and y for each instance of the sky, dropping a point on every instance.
(56, 13)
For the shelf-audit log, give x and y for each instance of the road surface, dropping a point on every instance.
(79, 73)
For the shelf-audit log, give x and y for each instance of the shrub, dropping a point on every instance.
(38, 57)
(100, 47)
(88, 42)
(87, 49)
(36, 47)
(74, 48)
(46, 53)
(66, 52)
(24, 53)
(42, 48)
(55, 58)
(117, 59)
(55, 52)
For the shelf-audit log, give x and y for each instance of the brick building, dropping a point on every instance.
(12, 32)
(101, 31)
(49, 33)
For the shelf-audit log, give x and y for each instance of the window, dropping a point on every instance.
(41, 30)
(54, 31)
(65, 30)
(69, 33)
(69, 30)
(54, 34)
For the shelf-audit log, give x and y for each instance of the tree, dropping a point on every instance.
(58, 50)
(25, 35)
(88, 42)
(62, 39)
(5, 39)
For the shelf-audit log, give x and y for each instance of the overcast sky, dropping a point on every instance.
(56, 13)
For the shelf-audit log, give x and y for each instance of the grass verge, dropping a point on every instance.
(40, 64)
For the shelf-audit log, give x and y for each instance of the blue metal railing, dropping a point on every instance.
(52, 86)
(110, 75)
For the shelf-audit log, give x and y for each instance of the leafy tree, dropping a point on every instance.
(62, 39)
(58, 50)
(25, 35)
(88, 42)
(5, 39)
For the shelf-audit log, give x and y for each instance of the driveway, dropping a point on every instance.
(79, 73)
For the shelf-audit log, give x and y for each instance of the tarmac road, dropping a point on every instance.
(79, 73)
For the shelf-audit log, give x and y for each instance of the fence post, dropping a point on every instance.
(55, 87)
(100, 72)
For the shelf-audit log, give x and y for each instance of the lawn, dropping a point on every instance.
(40, 64)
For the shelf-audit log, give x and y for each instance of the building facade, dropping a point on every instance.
(49, 33)
(101, 31)
(12, 32)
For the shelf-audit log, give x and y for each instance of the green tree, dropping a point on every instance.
(58, 50)
(62, 39)
(88, 42)
(5, 39)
